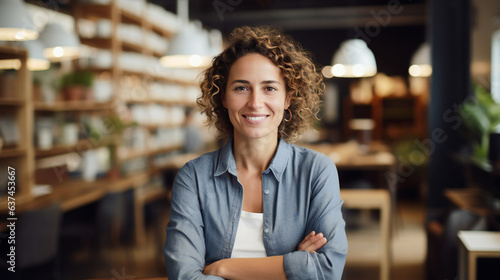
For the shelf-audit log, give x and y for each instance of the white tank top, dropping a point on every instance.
(249, 242)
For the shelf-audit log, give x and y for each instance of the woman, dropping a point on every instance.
(258, 208)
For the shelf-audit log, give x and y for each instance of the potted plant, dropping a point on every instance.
(76, 85)
(480, 117)
(109, 129)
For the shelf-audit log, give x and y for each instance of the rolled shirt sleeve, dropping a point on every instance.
(184, 249)
(324, 216)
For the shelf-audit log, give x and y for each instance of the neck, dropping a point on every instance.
(254, 154)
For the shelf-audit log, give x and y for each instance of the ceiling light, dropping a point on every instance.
(354, 60)
(327, 71)
(421, 62)
(189, 48)
(36, 60)
(15, 22)
(60, 44)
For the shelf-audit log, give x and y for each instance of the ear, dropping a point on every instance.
(287, 100)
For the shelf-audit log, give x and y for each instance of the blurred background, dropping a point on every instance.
(98, 112)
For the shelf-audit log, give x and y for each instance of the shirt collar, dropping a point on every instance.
(226, 161)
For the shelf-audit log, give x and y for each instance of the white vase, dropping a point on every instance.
(89, 166)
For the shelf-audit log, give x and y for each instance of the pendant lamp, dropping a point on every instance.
(36, 60)
(189, 48)
(15, 22)
(421, 62)
(59, 43)
(353, 60)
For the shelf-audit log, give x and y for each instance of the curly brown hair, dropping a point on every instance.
(304, 84)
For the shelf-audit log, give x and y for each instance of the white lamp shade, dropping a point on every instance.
(36, 60)
(189, 48)
(421, 62)
(15, 22)
(353, 60)
(216, 45)
(59, 44)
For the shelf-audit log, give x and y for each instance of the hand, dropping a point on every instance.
(312, 242)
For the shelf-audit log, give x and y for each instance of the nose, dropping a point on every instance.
(255, 100)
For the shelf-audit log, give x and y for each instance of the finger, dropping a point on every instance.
(318, 244)
(308, 237)
(311, 238)
(309, 244)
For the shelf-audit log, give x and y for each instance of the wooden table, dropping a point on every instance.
(76, 193)
(473, 245)
(73, 194)
(347, 156)
(471, 199)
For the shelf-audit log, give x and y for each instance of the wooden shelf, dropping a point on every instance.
(105, 43)
(162, 31)
(10, 52)
(92, 11)
(76, 193)
(165, 150)
(174, 162)
(73, 106)
(131, 47)
(131, 154)
(12, 152)
(100, 43)
(160, 102)
(156, 126)
(159, 78)
(130, 18)
(82, 145)
(127, 182)
(152, 193)
(11, 102)
(99, 11)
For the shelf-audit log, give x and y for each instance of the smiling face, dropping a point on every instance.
(255, 97)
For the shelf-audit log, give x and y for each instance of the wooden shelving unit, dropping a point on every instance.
(117, 15)
(15, 104)
(395, 118)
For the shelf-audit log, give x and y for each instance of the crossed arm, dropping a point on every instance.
(261, 268)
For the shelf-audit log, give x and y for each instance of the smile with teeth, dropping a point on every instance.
(256, 118)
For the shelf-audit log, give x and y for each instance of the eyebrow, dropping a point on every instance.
(263, 82)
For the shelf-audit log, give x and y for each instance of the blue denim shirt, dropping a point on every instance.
(300, 194)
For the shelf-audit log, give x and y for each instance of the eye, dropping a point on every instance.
(271, 89)
(240, 88)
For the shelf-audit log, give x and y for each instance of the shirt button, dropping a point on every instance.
(266, 230)
(266, 191)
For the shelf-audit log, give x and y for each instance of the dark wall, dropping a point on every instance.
(450, 40)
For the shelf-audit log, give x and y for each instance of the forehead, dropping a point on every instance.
(254, 66)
